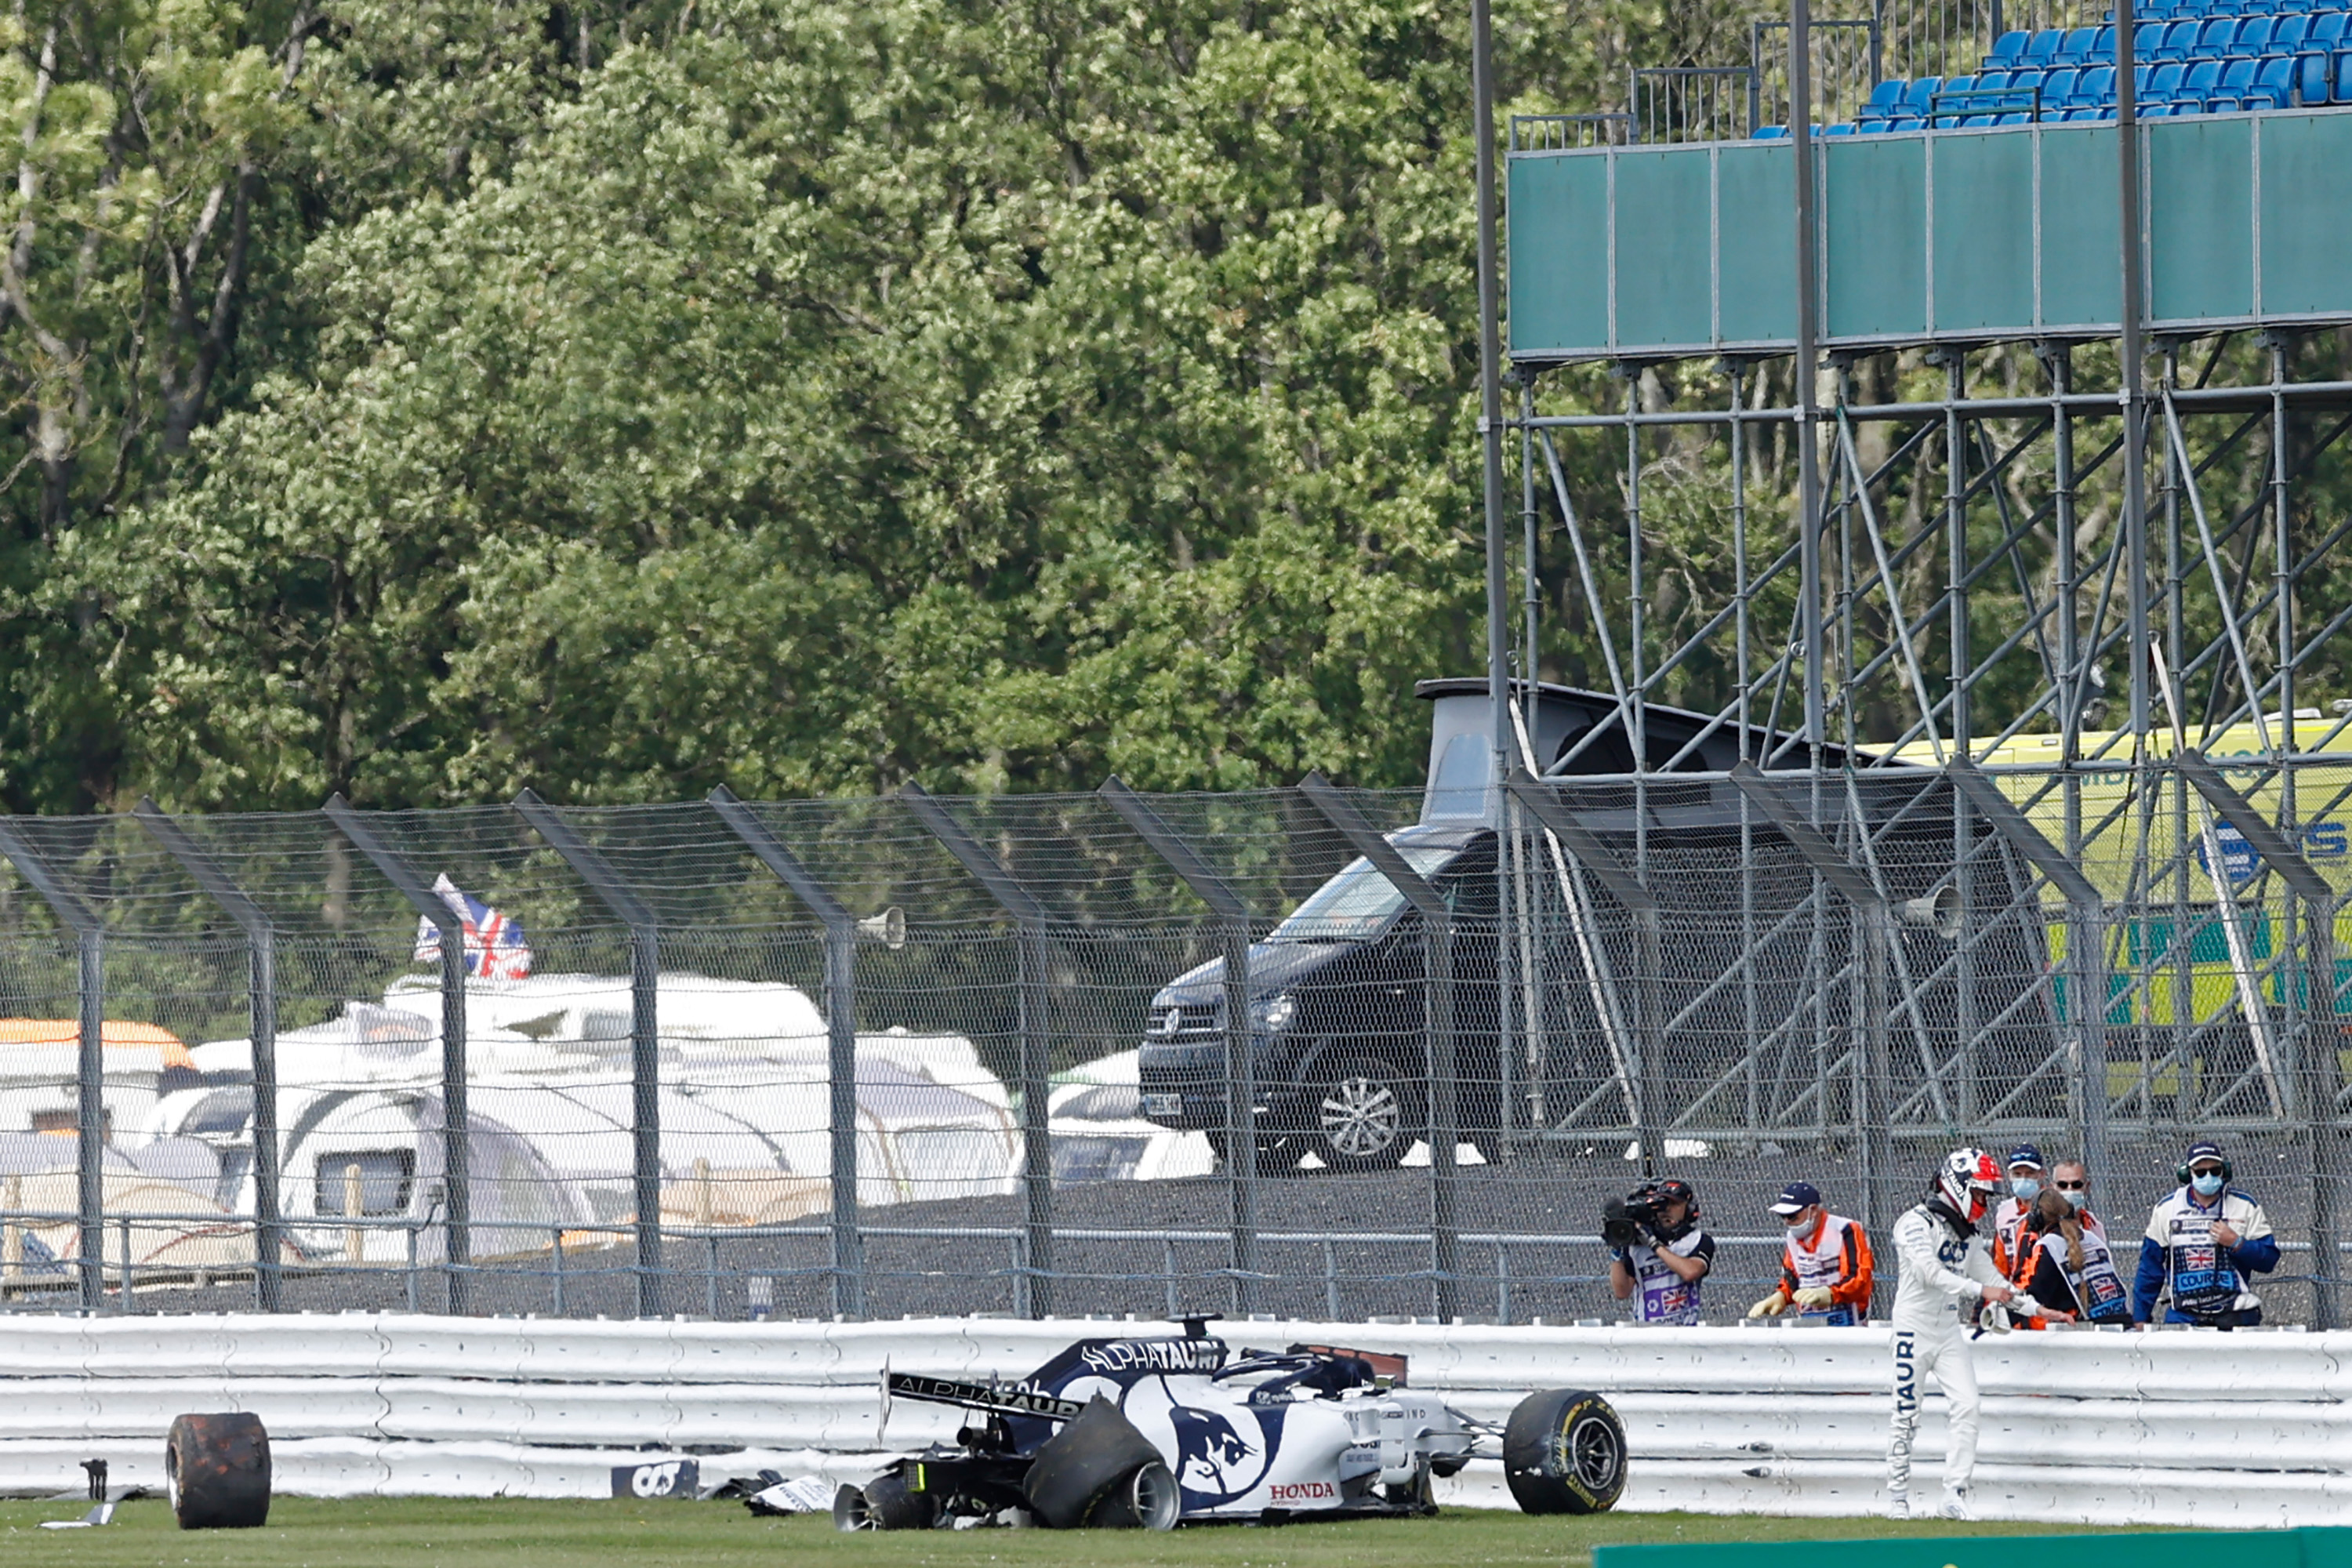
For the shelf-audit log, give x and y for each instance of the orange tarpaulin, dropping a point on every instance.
(118, 1036)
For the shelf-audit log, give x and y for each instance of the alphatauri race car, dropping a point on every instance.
(1153, 1432)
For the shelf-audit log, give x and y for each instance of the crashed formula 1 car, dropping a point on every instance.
(1153, 1432)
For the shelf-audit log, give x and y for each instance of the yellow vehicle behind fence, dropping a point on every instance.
(2203, 972)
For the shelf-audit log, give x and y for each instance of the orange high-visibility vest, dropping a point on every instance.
(1836, 1257)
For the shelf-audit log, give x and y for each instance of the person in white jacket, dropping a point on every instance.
(1946, 1270)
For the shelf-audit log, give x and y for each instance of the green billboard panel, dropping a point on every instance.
(1560, 255)
(2002, 232)
(1875, 266)
(2079, 216)
(1756, 208)
(2305, 238)
(1981, 232)
(1664, 253)
(2200, 229)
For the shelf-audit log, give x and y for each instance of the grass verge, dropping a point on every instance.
(443, 1532)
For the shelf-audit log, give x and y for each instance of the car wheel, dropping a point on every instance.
(1366, 1115)
(1564, 1452)
(886, 1502)
(1089, 1473)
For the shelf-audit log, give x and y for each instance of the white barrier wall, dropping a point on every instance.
(2189, 1428)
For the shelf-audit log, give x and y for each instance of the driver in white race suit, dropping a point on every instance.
(1946, 1270)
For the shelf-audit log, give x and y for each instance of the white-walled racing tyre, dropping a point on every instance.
(1564, 1452)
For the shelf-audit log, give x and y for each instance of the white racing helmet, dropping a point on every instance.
(1966, 1180)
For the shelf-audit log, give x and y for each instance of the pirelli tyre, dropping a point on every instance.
(886, 1502)
(216, 1472)
(1564, 1452)
(1099, 1472)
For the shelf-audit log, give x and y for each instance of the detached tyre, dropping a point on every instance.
(216, 1472)
(1098, 1470)
(1564, 1452)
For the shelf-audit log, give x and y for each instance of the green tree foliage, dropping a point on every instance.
(814, 396)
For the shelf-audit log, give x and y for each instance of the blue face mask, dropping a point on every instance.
(2073, 1196)
(2027, 1188)
(2206, 1182)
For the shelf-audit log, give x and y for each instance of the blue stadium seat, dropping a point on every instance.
(1923, 95)
(2287, 34)
(2340, 90)
(2076, 49)
(2237, 84)
(2103, 45)
(1771, 132)
(1869, 128)
(1846, 130)
(2163, 84)
(2252, 40)
(2007, 50)
(1904, 122)
(2213, 38)
(2327, 29)
(2043, 46)
(2290, 7)
(1885, 99)
(2057, 88)
(2201, 83)
(1993, 81)
(2171, 42)
(2273, 86)
(2311, 78)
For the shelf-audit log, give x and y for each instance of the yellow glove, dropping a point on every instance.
(1814, 1298)
(1771, 1306)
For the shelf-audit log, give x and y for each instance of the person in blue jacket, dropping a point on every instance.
(2201, 1244)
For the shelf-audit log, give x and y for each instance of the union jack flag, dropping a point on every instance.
(495, 948)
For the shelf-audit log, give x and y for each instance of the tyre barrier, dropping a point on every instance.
(216, 1472)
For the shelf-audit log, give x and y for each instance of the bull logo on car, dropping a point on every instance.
(1217, 1459)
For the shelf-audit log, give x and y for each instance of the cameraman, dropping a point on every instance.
(1657, 1253)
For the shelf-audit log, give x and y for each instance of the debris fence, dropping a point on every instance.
(1312, 1052)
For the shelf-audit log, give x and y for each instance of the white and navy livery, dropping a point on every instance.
(1252, 1436)
(1158, 1431)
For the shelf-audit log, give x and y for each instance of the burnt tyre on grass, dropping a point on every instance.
(216, 1472)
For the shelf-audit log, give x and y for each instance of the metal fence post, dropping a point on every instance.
(89, 1062)
(1878, 936)
(841, 1038)
(2086, 943)
(1030, 921)
(1437, 957)
(457, 1173)
(2318, 1075)
(1542, 799)
(644, 1033)
(261, 993)
(1241, 1053)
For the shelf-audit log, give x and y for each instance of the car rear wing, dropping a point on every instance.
(996, 1398)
